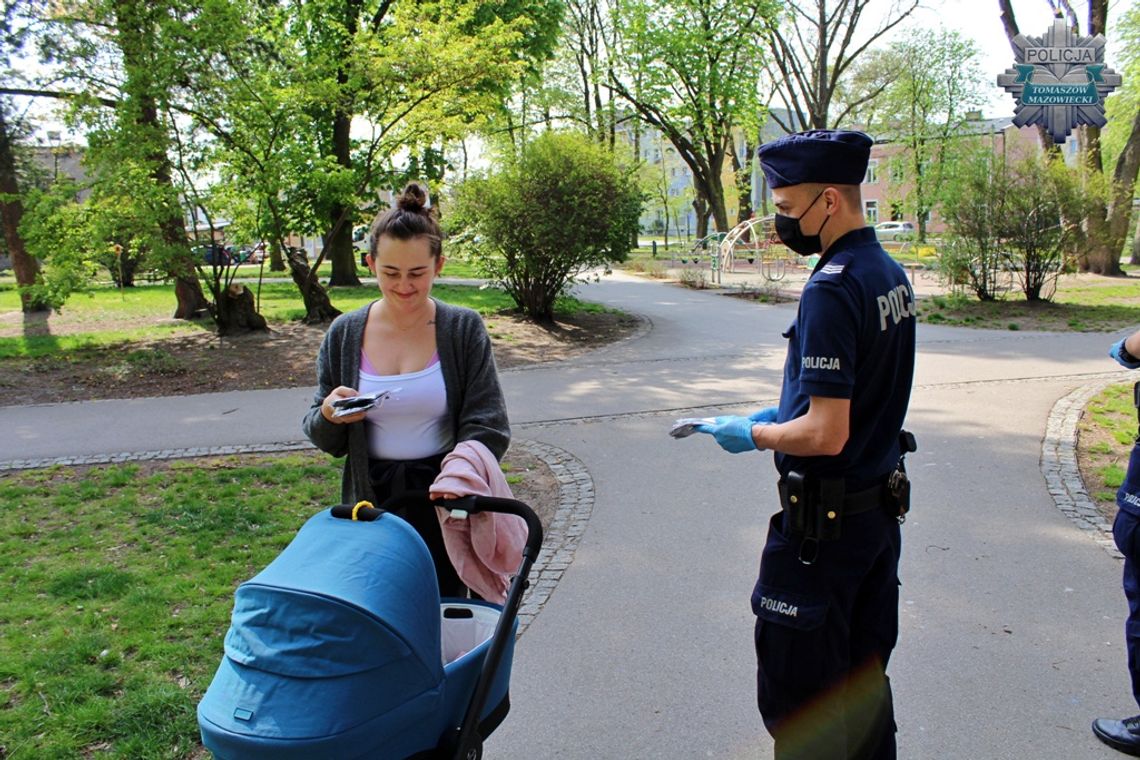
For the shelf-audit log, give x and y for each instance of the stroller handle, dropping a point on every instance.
(472, 505)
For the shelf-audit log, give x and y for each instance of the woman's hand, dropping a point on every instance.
(328, 411)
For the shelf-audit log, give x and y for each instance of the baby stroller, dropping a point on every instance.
(342, 648)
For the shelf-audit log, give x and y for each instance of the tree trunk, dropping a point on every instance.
(236, 312)
(701, 208)
(338, 243)
(1135, 260)
(1124, 187)
(743, 174)
(338, 240)
(25, 266)
(135, 38)
(717, 206)
(318, 308)
(191, 302)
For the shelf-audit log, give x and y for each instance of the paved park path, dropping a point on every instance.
(1011, 612)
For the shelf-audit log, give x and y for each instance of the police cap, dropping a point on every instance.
(824, 156)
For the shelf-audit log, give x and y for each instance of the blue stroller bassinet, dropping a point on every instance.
(342, 648)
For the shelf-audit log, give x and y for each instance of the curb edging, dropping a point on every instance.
(1060, 468)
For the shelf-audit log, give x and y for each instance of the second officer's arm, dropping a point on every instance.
(1131, 354)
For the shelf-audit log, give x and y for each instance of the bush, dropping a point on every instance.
(1006, 223)
(649, 267)
(973, 203)
(1032, 226)
(694, 278)
(561, 207)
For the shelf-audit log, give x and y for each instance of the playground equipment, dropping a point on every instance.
(762, 248)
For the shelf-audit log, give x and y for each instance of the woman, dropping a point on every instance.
(435, 358)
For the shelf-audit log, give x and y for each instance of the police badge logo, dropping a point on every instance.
(1060, 81)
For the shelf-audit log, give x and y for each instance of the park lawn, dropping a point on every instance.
(106, 316)
(118, 590)
(454, 266)
(119, 586)
(1082, 303)
(1105, 438)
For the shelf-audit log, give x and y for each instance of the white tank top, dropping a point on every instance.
(413, 422)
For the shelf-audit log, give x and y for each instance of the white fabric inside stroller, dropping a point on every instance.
(464, 627)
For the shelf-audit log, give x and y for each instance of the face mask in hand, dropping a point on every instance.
(790, 234)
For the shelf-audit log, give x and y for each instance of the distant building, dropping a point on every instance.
(885, 186)
(56, 161)
(659, 155)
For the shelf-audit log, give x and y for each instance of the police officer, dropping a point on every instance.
(1124, 735)
(826, 600)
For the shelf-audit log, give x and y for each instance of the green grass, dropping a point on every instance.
(118, 589)
(117, 592)
(1078, 306)
(104, 317)
(453, 266)
(1111, 417)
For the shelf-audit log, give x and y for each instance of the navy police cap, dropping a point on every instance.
(824, 156)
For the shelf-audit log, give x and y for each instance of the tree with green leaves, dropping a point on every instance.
(1006, 218)
(560, 207)
(696, 64)
(974, 196)
(25, 266)
(1033, 225)
(937, 80)
(416, 73)
(1122, 106)
(116, 62)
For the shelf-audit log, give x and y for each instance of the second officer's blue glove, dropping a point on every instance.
(1125, 359)
(734, 434)
(765, 416)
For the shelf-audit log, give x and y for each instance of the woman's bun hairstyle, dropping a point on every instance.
(409, 217)
(413, 199)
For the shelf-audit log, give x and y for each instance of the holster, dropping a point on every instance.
(814, 509)
(898, 484)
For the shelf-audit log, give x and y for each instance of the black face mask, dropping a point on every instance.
(790, 234)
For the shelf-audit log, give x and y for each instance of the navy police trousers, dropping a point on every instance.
(824, 634)
(1126, 534)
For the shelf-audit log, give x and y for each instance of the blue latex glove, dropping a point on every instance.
(1117, 352)
(734, 434)
(765, 416)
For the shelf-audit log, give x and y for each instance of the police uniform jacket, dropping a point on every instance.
(853, 337)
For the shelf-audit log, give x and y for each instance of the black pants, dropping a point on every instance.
(824, 634)
(1126, 532)
(392, 478)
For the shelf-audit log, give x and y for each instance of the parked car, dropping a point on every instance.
(252, 254)
(361, 241)
(895, 230)
(214, 253)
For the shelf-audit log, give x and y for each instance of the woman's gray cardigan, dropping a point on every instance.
(474, 396)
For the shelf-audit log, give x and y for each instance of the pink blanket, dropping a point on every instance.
(486, 548)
